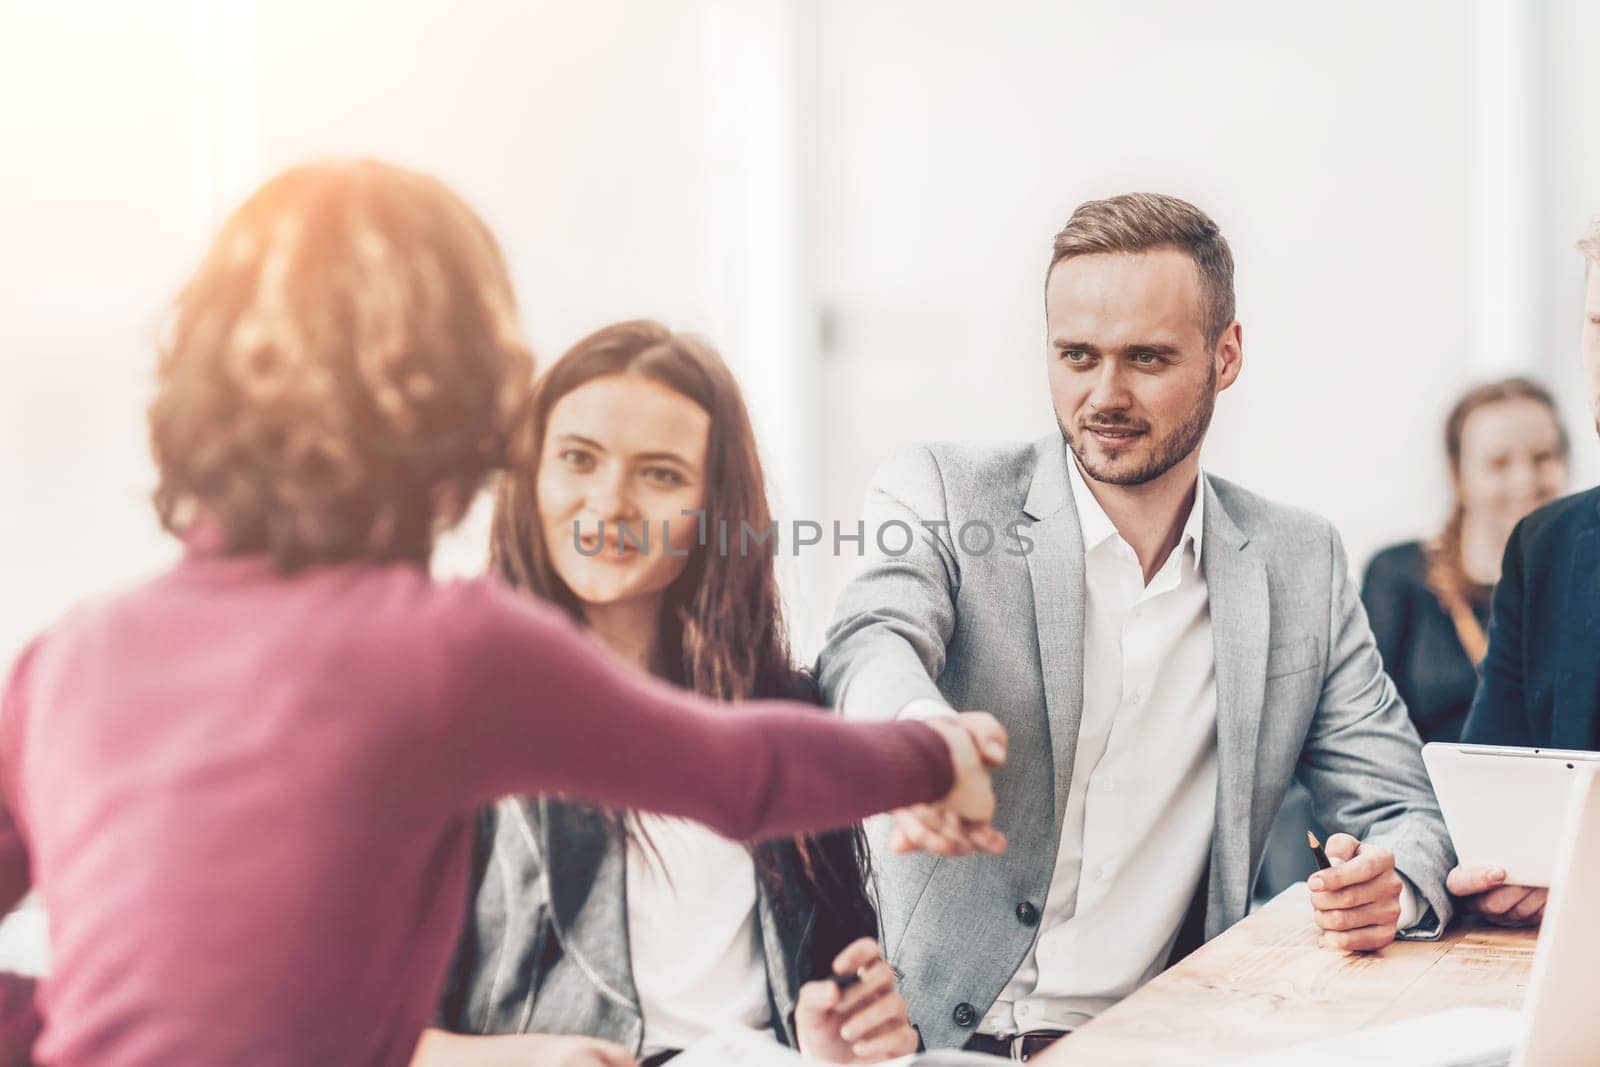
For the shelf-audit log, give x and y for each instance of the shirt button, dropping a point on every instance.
(965, 1014)
(1111, 785)
(1027, 914)
(1099, 874)
(1135, 697)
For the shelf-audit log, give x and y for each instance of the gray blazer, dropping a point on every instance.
(545, 949)
(1301, 692)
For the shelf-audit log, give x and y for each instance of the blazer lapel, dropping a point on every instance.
(585, 861)
(1236, 586)
(1055, 568)
(1577, 695)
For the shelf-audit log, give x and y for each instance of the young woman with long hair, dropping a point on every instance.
(647, 933)
(1429, 600)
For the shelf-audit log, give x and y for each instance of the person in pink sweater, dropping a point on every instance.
(244, 787)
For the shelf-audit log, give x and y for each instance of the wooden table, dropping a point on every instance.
(1267, 984)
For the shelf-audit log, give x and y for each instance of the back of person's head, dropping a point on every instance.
(342, 371)
(1589, 346)
(1589, 244)
(724, 613)
(1142, 222)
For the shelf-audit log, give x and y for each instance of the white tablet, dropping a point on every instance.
(1504, 807)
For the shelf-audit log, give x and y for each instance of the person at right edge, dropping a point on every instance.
(1540, 683)
(1166, 649)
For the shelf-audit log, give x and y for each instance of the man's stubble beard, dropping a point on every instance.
(1171, 450)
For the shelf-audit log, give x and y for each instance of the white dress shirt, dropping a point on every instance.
(693, 934)
(1141, 805)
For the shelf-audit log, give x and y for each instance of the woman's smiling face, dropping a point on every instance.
(628, 452)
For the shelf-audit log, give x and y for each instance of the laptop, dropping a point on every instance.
(1559, 1025)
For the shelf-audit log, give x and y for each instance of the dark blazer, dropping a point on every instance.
(1541, 678)
(1418, 642)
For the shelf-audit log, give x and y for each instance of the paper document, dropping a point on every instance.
(737, 1046)
(741, 1047)
(1456, 1038)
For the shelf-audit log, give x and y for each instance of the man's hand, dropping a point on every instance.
(867, 1023)
(959, 823)
(1482, 891)
(1357, 900)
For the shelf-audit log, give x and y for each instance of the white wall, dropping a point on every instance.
(1569, 196)
(102, 211)
(636, 160)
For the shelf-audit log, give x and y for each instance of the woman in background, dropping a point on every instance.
(1429, 601)
(647, 933)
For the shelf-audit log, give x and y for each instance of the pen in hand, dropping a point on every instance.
(1316, 850)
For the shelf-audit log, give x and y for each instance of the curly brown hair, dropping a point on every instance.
(342, 371)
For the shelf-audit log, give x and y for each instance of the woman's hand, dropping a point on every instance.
(959, 823)
(863, 1024)
(439, 1048)
(563, 1051)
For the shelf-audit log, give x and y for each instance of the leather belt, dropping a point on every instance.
(1022, 1047)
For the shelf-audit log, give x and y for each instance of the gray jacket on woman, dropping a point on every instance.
(545, 948)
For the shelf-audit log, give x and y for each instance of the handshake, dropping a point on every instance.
(1356, 903)
(959, 823)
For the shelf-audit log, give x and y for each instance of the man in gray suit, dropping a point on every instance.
(1166, 649)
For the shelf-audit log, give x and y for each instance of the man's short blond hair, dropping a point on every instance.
(1140, 222)
(1589, 243)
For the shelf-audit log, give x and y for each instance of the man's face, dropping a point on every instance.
(1131, 376)
(1591, 341)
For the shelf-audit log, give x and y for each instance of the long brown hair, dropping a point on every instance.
(723, 634)
(341, 373)
(1446, 572)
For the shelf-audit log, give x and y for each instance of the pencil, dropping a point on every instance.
(1316, 850)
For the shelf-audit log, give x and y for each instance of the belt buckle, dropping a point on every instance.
(1019, 1043)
